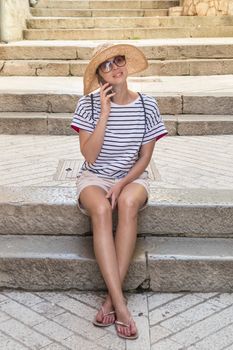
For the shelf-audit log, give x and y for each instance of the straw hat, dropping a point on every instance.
(135, 62)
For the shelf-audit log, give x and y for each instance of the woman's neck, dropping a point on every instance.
(123, 95)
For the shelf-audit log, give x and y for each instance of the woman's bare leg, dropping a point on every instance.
(131, 199)
(93, 199)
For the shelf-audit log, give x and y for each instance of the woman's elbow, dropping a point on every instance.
(89, 158)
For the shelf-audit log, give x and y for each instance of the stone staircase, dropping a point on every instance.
(147, 23)
(185, 234)
(167, 57)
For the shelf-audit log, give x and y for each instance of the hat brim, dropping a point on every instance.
(135, 62)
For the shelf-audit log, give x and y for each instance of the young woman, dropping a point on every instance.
(118, 129)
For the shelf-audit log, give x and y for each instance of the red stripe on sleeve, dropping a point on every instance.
(160, 136)
(75, 128)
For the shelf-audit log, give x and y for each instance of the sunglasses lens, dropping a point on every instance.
(106, 66)
(119, 61)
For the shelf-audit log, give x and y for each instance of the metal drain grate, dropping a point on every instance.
(68, 169)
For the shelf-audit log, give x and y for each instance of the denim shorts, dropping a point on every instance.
(88, 178)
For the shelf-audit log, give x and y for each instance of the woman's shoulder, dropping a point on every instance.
(149, 100)
(87, 99)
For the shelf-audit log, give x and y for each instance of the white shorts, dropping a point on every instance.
(87, 178)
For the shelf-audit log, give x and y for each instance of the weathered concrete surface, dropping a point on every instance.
(127, 22)
(37, 263)
(145, 4)
(52, 210)
(128, 34)
(202, 124)
(166, 49)
(53, 12)
(207, 104)
(178, 264)
(64, 103)
(77, 67)
(41, 123)
(159, 264)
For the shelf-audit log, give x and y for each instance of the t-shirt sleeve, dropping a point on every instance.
(82, 118)
(155, 128)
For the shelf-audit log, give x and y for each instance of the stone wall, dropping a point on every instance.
(207, 7)
(13, 14)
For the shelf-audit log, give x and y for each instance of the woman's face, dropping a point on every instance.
(114, 70)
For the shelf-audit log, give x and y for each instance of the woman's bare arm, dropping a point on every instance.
(90, 144)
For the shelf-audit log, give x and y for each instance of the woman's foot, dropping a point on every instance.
(126, 330)
(106, 315)
(125, 325)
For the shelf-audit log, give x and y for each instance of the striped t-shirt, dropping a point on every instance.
(127, 129)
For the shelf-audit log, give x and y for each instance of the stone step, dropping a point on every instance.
(13, 123)
(128, 22)
(52, 12)
(77, 67)
(154, 49)
(159, 264)
(52, 210)
(128, 33)
(108, 4)
(209, 95)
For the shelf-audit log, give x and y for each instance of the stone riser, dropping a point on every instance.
(128, 22)
(96, 4)
(77, 68)
(127, 34)
(154, 51)
(97, 13)
(159, 264)
(50, 210)
(59, 124)
(169, 104)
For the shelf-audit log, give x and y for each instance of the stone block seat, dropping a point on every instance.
(183, 241)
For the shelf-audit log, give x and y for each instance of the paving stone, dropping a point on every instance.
(29, 317)
(47, 309)
(53, 330)
(54, 347)
(4, 317)
(166, 344)
(204, 328)
(213, 331)
(158, 332)
(168, 310)
(193, 315)
(24, 334)
(221, 339)
(26, 298)
(7, 343)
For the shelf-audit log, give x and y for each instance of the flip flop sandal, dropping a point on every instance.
(101, 324)
(132, 336)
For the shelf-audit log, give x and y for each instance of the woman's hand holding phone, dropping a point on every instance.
(106, 93)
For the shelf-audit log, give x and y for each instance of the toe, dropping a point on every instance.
(133, 329)
(99, 316)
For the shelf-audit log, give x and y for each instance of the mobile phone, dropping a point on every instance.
(102, 81)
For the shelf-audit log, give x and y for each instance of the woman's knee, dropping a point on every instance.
(128, 203)
(101, 209)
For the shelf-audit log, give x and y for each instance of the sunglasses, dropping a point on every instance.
(107, 66)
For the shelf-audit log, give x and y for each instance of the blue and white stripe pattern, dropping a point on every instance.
(127, 129)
